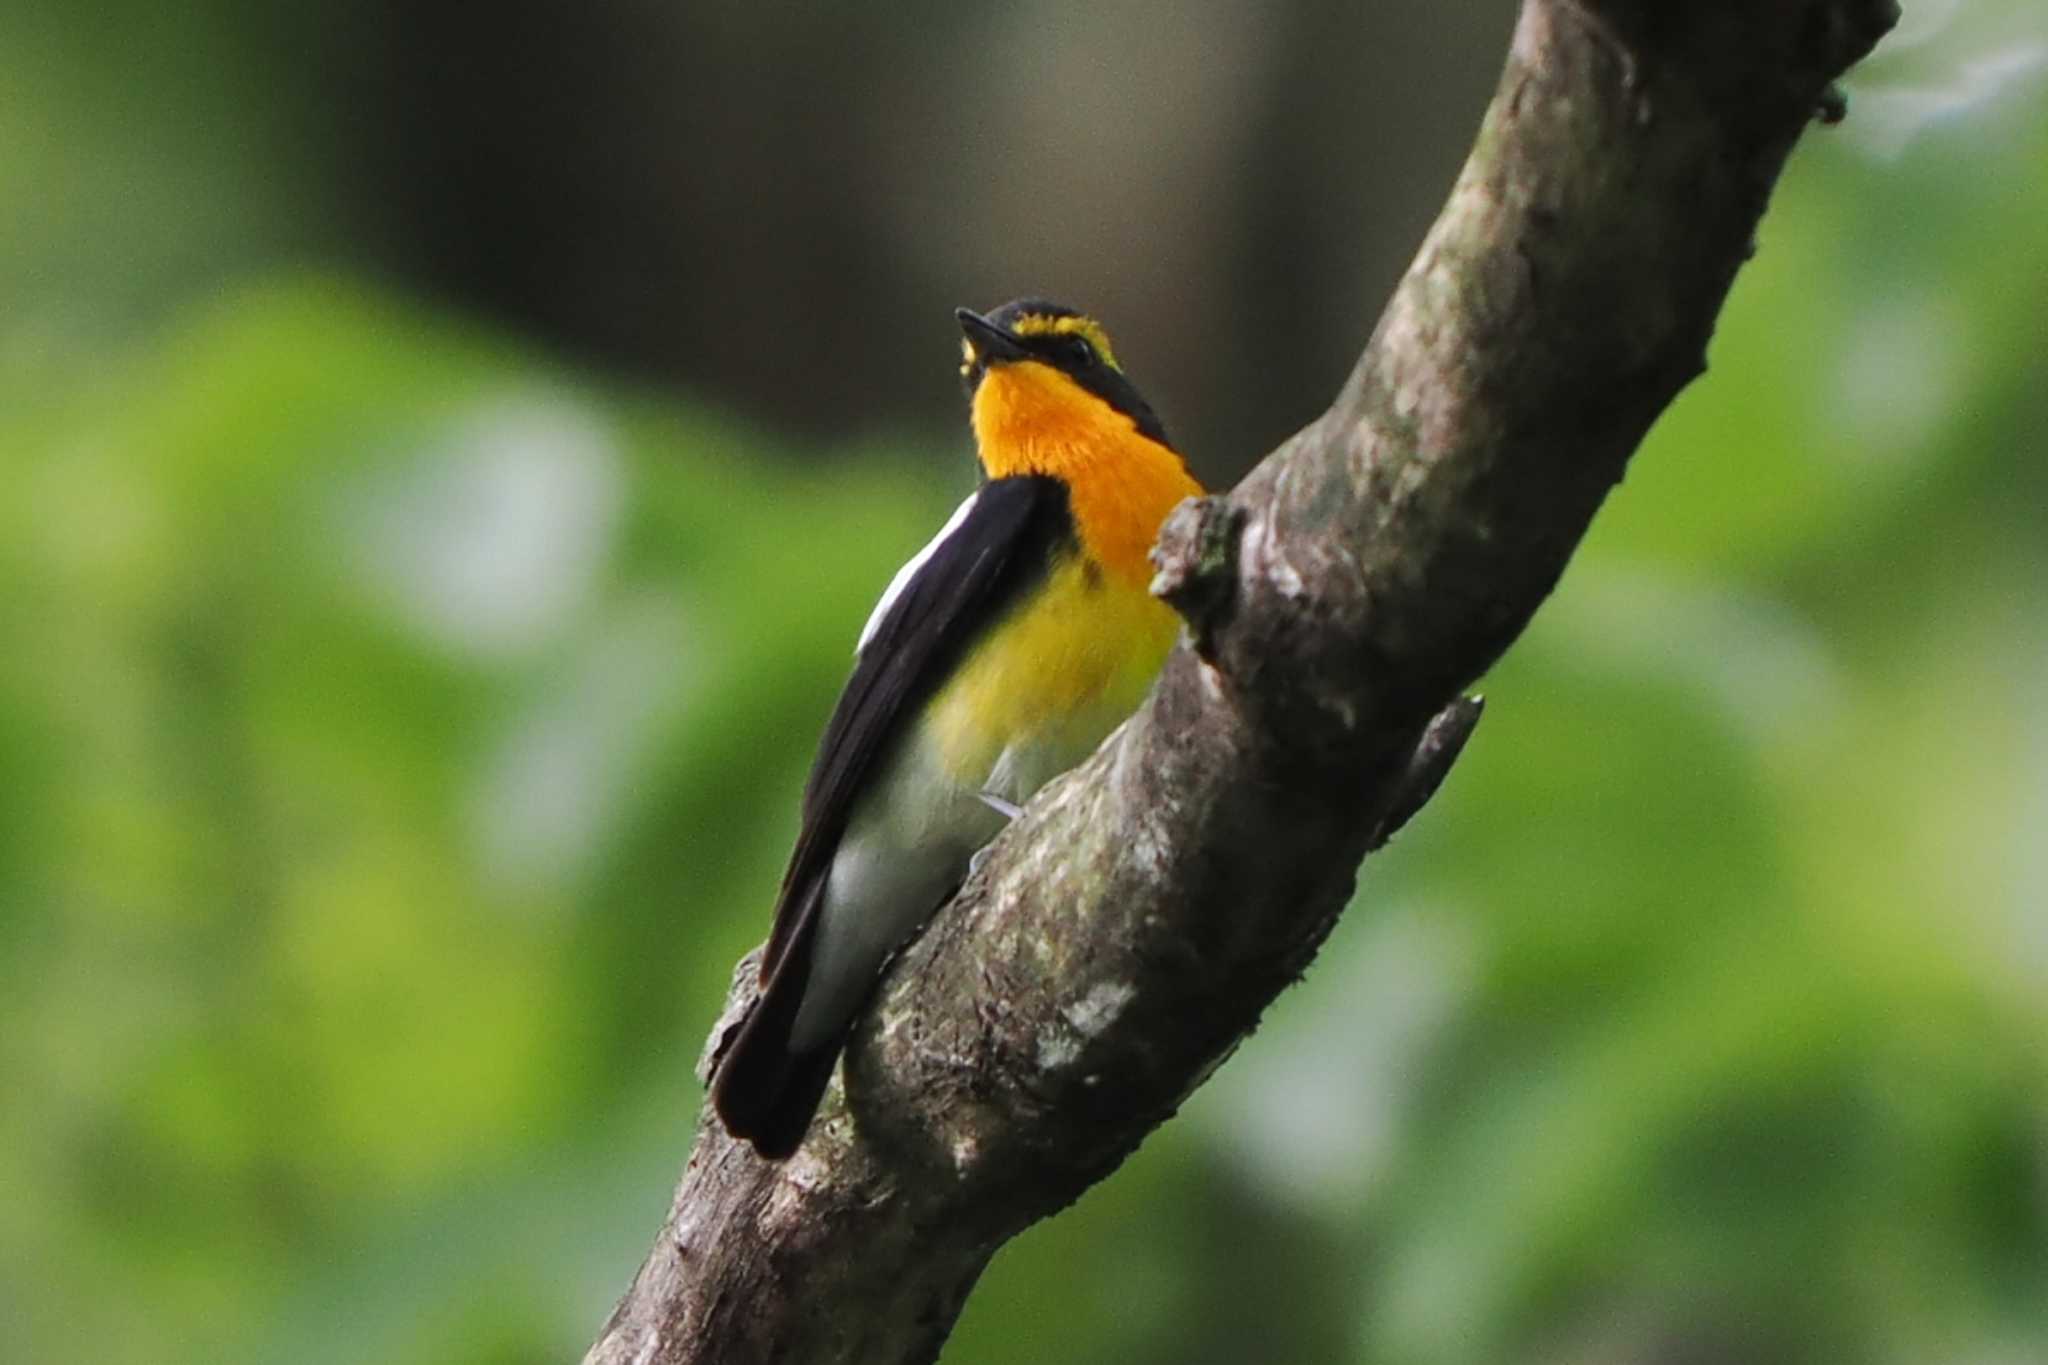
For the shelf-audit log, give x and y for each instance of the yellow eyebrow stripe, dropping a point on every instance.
(1043, 324)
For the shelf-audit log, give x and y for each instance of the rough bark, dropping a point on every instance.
(1129, 929)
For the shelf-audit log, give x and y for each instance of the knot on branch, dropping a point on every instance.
(1196, 563)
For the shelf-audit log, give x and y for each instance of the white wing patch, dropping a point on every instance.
(909, 571)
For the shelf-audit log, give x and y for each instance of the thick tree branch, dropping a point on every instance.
(1129, 929)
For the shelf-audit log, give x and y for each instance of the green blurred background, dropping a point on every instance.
(448, 454)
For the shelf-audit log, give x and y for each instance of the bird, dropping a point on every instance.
(999, 656)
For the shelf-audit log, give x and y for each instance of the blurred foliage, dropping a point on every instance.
(401, 731)
(372, 711)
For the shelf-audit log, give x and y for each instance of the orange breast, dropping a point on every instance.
(1031, 419)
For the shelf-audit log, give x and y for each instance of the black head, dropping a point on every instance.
(1063, 338)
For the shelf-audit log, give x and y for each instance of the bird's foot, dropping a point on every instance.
(1001, 805)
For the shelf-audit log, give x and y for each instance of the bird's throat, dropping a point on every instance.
(1031, 419)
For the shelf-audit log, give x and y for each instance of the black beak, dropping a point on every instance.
(992, 345)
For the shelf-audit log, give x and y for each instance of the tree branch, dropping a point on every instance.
(1128, 930)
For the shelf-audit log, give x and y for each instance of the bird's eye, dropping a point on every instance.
(1077, 352)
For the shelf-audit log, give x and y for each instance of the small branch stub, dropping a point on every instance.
(1196, 563)
(1443, 739)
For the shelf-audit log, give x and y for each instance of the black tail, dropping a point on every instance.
(764, 1092)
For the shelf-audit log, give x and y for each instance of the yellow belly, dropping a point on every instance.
(1058, 674)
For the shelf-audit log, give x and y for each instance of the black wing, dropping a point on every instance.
(969, 577)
